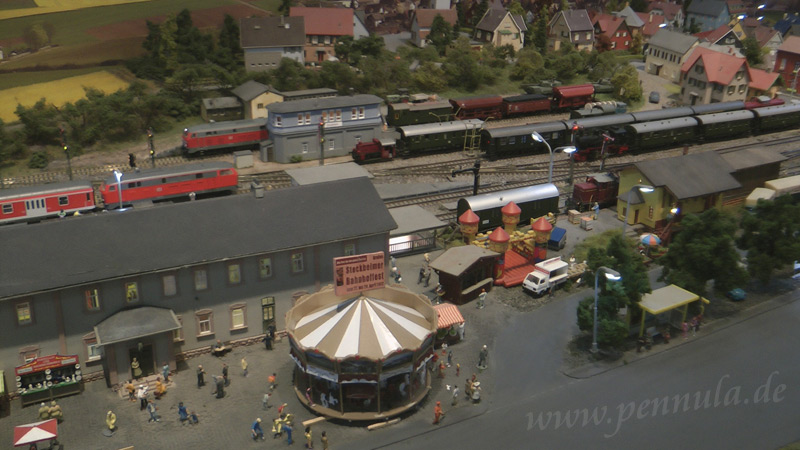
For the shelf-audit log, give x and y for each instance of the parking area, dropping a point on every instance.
(667, 91)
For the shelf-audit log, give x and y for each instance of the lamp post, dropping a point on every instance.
(118, 174)
(606, 140)
(538, 138)
(570, 150)
(321, 133)
(611, 275)
(644, 188)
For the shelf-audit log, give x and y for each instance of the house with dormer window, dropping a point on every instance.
(614, 28)
(709, 76)
(294, 126)
(499, 27)
(323, 27)
(723, 35)
(571, 27)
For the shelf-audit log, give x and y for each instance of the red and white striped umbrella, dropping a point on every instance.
(35, 432)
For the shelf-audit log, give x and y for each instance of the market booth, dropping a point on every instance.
(48, 377)
(449, 323)
(668, 299)
(363, 355)
(464, 271)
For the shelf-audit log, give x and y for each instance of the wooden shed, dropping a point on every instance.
(464, 271)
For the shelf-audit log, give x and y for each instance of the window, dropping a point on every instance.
(170, 285)
(92, 350)
(331, 145)
(131, 292)
(8, 209)
(92, 299)
(314, 39)
(305, 147)
(324, 116)
(353, 114)
(739, 75)
(205, 322)
(731, 89)
(29, 353)
(300, 119)
(200, 280)
(234, 273)
(63, 201)
(238, 316)
(297, 262)
(742, 87)
(24, 313)
(260, 106)
(613, 45)
(278, 122)
(626, 43)
(327, 39)
(361, 112)
(338, 115)
(624, 33)
(616, 34)
(308, 118)
(349, 249)
(698, 69)
(783, 64)
(177, 335)
(264, 267)
(588, 36)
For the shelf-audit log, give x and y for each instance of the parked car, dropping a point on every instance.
(655, 97)
(737, 294)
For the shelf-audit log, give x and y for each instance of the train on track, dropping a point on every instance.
(637, 131)
(224, 136)
(34, 203)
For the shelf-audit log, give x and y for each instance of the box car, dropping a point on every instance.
(402, 114)
(534, 201)
(520, 105)
(480, 107)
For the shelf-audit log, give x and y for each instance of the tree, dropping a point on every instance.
(337, 75)
(602, 43)
(529, 64)
(770, 237)
(289, 75)
(752, 51)
(626, 84)
(344, 48)
(35, 37)
(461, 65)
(50, 31)
(285, 6)
(429, 78)
(621, 256)
(40, 122)
(441, 34)
(639, 5)
(479, 11)
(515, 8)
(636, 44)
(371, 45)
(612, 6)
(703, 251)
(540, 32)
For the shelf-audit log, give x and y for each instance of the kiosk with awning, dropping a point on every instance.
(449, 319)
(48, 377)
(668, 298)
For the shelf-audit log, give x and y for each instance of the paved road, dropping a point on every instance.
(732, 388)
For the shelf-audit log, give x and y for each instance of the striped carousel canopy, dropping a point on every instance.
(367, 326)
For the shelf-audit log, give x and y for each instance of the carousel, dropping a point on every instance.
(361, 356)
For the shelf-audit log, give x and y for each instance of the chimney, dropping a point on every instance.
(651, 17)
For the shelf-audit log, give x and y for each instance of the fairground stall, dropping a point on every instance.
(48, 377)
(361, 356)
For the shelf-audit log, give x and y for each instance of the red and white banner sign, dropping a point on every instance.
(358, 273)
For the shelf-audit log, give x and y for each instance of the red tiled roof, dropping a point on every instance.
(425, 16)
(325, 21)
(670, 10)
(720, 67)
(714, 35)
(761, 79)
(651, 23)
(763, 34)
(448, 314)
(607, 23)
(791, 45)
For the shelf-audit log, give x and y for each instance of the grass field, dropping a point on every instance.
(83, 54)
(55, 6)
(19, 79)
(57, 92)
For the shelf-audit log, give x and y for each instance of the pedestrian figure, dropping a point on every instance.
(396, 274)
(111, 421)
(151, 408)
(324, 439)
(256, 430)
(288, 430)
(482, 357)
(468, 387)
(132, 160)
(225, 374)
(281, 408)
(44, 412)
(142, 395)
(482, 299)
(455, 396)
(272, 381)
(193, 418)
(693, 326)
(165, 371)
(441, 369)
(55, 412)
(421, 275)
(277, 427)
(244, 367)
(393, 262)
(268, 339)
(458, 370)
(265, 401)
(131, 390)
(136, 371)
(308, 397)
(639, 344)
(201, 381)
(427, 257)
(219, 386)
(685, 329)
(309, 440)
(183, 415)
(427, 276)
(438, 414)
(461, 330)
(666, 336)
(596, 210)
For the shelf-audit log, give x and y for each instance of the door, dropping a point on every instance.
(635, 217)
(143, 354)
(267, 313)
(35, 208)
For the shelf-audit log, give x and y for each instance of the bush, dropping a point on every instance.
(39, 160)
(296, 158)
(611, 332)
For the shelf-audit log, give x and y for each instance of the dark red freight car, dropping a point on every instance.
(521, 105)
(481, 107)
(572, 97)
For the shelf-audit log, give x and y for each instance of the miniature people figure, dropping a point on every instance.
(151, 408)
(309, 440)
(441, 369)
(183, 415)
(288, 430)
(277, 426)
(225, 374)
(421, 274)
(136, 371)
(639, 344)
(44, 412)
(596, 210)
(142, 394)
(200, 377)
(666, 336)
(161, 389)
(256, 430)
(220, 384)
(308, 396)
(461, 330)
(268, 340)
(111, 421)
(265, 401)
(685, 329)
(695, 325)
(193, 418)
(131, 390)
(393, 262)
(468, 387)
(458, 370)
(244, 367)
(272, 381)
(55, 412)
(571, 261)
(455, 396)
(427, 257)
(165, 371)
(437, 412)
(324, 439)
(62, 214)
(482, 299)
(281, 408)
(427, 276)
(482, 357)
(449, 358)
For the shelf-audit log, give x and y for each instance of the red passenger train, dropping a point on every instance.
(227, 135)
(170, 183)
(33, 203)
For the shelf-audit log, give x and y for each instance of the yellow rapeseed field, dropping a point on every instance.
(68, 90)
(52, 6)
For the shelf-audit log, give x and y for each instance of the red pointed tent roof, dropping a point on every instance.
(469, 218)
(499, 235)
(542, 225)
(511, 209)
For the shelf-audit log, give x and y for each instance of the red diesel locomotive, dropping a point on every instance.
(227, 135)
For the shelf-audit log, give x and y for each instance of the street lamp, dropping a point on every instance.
(570, 150)
(606, 140)
(538, 138)
(644, 188)
(118, 174)
(611, 275)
